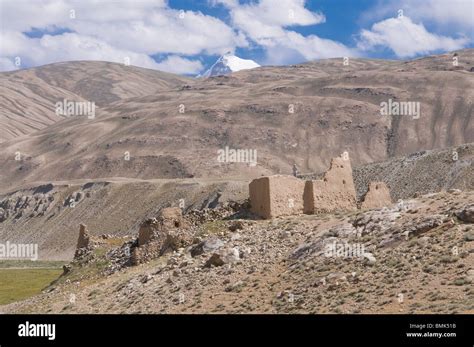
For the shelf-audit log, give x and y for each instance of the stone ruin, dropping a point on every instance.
(377, 196)
(157, 236)
(85, 242)
(283, 195)
(278, 195)
(335, 191)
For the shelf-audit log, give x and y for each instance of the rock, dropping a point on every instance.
(3, 215)
(235, 237)
(235, 287)
(224, 256)
(466, 214)
(454, 191)
(470, 275)
(209, 245)
(66, 269)
(145, 278)
(422, 226)
(370, 257)
(336, 278)
(237, 225)
(469, 236)
(214, 260)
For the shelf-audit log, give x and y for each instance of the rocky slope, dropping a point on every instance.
(414, 257)
(43, 213)
(49, 214)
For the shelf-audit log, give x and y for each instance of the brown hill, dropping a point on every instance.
(27, 97)
(336, 109)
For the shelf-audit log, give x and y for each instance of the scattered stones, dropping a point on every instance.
(469, 236)
(424, 225)
(235, 287)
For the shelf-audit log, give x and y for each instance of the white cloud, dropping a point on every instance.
(447, 17)
(109, 30)
(265, 19)
(67, 47)
(453, 12)
(406, 39)
(178, 65)
(266, 24)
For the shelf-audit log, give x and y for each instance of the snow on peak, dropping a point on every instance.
(227, 64)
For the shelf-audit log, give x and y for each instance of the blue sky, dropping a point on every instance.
(186, 37)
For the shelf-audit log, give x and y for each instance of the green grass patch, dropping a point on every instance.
(212, 228)
(19, 284)
(7, 264)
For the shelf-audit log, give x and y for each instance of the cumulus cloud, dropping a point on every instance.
(107, 30)
(180, 65)
(67, 47)
(112, 31)
(268, 26)
(447, 15)
(406, 38)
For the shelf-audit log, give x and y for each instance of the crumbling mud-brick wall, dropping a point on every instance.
(86, 242)
(377, 196)
(159, 235)
(335, 191)
(278, 195)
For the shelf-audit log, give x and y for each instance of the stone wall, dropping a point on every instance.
(377, 196)
(281, 195)
(278, 195)
(157, 236)
(335, 191)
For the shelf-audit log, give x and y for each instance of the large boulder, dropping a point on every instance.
(211, 244)
(223, 256)
(466, 214)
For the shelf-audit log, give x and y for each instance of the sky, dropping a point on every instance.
(186, 37)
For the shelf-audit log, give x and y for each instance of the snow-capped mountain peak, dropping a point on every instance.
(227, 64)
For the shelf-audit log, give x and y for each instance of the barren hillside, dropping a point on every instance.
(28, 97)
(303, 114)
(417, 258)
